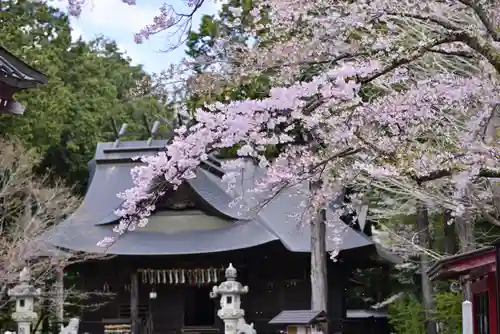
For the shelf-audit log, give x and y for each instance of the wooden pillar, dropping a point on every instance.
(134, 302)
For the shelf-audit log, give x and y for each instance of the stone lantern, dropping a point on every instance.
(230, 292)
(24, 294)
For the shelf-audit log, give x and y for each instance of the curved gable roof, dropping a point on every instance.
(277, 220)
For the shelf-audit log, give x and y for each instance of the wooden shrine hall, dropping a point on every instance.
(162, 274)
(15, 76)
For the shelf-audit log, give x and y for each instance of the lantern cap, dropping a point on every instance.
(231, 272)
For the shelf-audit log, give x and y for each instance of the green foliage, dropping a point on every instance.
(407, 317)
(201, 47)
(228, 25)
(449, 312)
(89, 84)
(200, 44)
(6, 321)
(370, 286)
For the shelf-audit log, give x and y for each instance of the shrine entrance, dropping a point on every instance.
(181, 289)
(199, 308)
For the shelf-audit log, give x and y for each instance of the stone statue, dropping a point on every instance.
(72, 327)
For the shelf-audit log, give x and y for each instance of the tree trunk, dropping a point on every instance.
(450, 235)
(319, 287)
(60, 297)
(465, 231)
(490, 138)
(427, 293)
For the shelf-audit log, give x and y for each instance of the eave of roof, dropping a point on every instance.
(26, 76)
(460, 264)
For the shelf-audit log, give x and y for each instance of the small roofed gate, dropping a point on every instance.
(479, 268)
(163, 272)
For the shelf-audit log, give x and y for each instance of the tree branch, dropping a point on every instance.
(427, 18)
(486, 173)
(483, 16)
(490, 219)
(413, 54)
(461, 54)
(481, 46)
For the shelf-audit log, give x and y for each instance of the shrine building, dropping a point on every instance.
(479, 267)
(162, 274)
(15, 76)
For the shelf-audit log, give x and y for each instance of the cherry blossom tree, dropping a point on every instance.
(29, 208)
(392, 97)
(401, 100)
(30, 205)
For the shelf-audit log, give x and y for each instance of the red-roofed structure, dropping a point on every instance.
(478, 267)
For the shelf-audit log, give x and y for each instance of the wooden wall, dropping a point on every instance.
(486, 284)
(278, 280)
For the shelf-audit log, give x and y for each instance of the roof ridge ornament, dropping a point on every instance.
(152, 132)
(120, 134)
(147, 133)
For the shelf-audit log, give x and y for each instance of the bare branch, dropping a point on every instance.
(30, 205)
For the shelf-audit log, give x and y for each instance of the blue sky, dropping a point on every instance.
(118, 21)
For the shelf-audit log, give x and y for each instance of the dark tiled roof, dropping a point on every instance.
(277, 220)
(297, 317)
